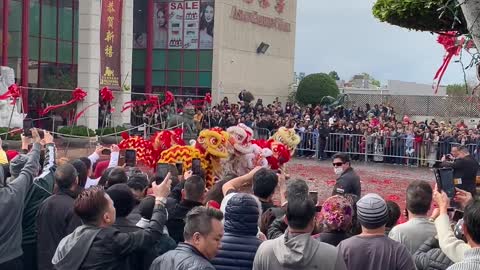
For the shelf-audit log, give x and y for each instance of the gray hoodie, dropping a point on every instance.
(73, 248)
(297, 252)
(12, 202)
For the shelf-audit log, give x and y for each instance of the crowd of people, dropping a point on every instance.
(90, 213)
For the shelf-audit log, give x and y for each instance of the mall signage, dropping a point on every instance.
(110, 43)
(261, 20)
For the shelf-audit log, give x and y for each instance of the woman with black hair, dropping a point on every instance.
(206, 25)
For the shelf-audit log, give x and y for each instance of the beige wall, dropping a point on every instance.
(236, 64)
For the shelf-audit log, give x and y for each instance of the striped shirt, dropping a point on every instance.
(470, 262)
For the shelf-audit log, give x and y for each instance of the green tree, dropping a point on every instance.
(314, 87)
(456, 90)
(334, 75)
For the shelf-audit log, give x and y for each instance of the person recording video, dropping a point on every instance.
(464, 166)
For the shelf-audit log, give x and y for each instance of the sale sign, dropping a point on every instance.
(191, 24)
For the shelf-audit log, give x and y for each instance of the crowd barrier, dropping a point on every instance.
(393, 150)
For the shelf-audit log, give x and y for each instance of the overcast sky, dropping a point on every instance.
(344, 36)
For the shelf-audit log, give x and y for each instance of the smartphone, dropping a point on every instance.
(196, 166)
(444, 179)
(106, 151)
(27, 126)
(313, 195)
(162, 170)
(179, 166)
(130, 158)
(457, 215)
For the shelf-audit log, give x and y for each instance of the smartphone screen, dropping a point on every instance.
(196, 168)
(162, 171)
(27, 125)
(130, 157)
(313, 195)
(447, 184)
(179, 166)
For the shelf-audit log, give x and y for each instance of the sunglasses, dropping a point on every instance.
(337, 164)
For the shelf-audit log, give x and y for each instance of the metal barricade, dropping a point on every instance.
(393, 150)
(309, 144)
(261, 133)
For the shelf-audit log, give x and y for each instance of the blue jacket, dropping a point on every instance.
(240, 242)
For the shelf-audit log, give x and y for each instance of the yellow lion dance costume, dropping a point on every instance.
(210, 148)
(287, 137)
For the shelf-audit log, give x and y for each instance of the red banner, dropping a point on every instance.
(110, 43)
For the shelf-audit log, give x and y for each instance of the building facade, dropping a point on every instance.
(188, 47)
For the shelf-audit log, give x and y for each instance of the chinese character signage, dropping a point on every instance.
(183, 24)
(110, 43)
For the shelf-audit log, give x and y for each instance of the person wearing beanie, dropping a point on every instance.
(240, 241)
(12, 203)
(372, 249)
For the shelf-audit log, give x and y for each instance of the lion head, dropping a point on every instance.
(287, 137)
(214, 142)
(240, 139)
(167, 138)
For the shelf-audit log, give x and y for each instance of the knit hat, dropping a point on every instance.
(372, 211)
(337, 213)
(17, 164)
(11, 154)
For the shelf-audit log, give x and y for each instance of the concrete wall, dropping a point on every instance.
(416, 89)
(89, 60)
(236, 64)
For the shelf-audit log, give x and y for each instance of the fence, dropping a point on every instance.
(393, 150)
(439, 106)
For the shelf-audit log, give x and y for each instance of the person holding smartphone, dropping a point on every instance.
(465, 168)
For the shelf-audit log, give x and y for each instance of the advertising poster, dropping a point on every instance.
(191, 25)
(207, 15)
(175, 25)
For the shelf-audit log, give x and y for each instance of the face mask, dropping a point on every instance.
(338, 170)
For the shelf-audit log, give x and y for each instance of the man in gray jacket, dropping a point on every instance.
(296, 249)
(12, 201)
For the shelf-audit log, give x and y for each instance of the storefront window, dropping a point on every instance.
(182, 45)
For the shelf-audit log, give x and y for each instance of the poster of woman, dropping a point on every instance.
(160, 26)
(207, 14)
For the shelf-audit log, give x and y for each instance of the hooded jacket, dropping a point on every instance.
(240, 242)
(293, 252)
(96, 248)
(429, 256)
(12, 201)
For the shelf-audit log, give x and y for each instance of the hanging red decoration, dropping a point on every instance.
(201, 102)
(152, 101)
(13, 92)
(106, 94)
(77, 95)
(452, 46)
(264, 3)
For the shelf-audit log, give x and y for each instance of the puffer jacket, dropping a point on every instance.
(429, 256)
(240, 242)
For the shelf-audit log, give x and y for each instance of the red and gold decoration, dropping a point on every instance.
(144, 148)
(13, 92)
(106, 96)
(152, 102)
(110, 43)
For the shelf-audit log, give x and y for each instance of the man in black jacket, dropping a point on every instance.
(203, 232)
(348, 182)
(192, 195)
(55, 217)
(465, 169)
(96, 244)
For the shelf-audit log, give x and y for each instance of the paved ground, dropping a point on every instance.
(390, 181)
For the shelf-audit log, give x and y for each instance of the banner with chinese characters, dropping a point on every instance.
(110, 43)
